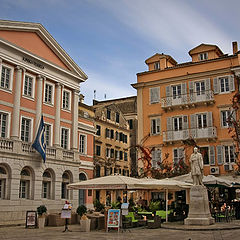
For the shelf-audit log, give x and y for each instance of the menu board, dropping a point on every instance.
(31, 219)
(113, 220)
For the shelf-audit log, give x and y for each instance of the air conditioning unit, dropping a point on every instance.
(214, 170)
(228, 167)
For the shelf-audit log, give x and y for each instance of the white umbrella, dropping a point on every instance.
(164, 184)
(207, 180)
(108, 182)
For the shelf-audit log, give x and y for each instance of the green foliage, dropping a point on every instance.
(81, 210)
(154, 206)
(98, 205)
(115, 205)
(41, 210)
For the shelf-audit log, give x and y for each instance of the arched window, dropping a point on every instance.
(25, 183)
(47, 185)
(82, 193)
(66, 179)
(3, 182)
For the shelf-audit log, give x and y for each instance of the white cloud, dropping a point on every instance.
(172, 23)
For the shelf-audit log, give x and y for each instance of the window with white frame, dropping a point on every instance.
(203, 56)
(66, 100)
(154, 95)
(48, 134)
(229, 154)
(155, 126)
(3, 180)
(202, 120)
(65, 182)
(25, 181)
(3, 124)
(26, 130)
(46, 185)
(178, 155)
(156, 158)
(177, 123)
(224, 84)
(48, 97)
(28, 86)
(224, 118)
(82, 144)
(200, 87)
(176, 91)
(64, 138)
(6, 77)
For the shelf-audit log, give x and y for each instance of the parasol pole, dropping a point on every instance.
(166, 205)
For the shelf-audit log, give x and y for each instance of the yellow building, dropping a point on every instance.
(111, 155)
(180, 105)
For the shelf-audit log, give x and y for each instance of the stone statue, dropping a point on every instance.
(196, 162)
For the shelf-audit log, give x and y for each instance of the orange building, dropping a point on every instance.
(192, 100)
(39, 77)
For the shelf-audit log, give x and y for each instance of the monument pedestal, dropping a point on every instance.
(199, 213)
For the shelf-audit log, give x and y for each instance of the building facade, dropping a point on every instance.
(128, 107)
(111, 146)
(37, 78)
(180, 104)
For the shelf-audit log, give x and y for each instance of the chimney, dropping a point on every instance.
(235, 47)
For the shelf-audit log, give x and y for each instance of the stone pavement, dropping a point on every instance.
(171, 231)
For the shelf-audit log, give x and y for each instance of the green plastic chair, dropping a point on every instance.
(133, 219)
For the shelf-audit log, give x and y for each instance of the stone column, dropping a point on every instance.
(75, 120)
(16, 104)
(39, 100)
(57, 116)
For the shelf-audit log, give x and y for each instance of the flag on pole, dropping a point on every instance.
(39, 142)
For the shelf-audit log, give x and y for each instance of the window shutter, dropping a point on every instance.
(209, 119)
(158, 125)
(231, 83)
(154, 159)
(184, 92)
(219, 154)
(208, 84)
(191, 91)
(193, 126)
(152, 130)
(169, 124)
(168, 92)
(212, 155)
(154, 95)
(181, 154)
(215, 86)
(185, 122)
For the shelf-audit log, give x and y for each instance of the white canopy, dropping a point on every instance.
(107, 182)
(207, 180)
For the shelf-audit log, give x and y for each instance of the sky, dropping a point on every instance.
(111, 39)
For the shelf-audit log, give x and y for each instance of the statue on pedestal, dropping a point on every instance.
(196, 162)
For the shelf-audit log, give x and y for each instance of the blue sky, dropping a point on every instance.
(111, 39)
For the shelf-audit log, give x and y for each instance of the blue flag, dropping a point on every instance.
(39, 143)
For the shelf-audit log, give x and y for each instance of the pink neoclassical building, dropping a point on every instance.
(39, 77)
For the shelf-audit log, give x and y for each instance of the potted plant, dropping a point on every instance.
(41, 210)
(84, 221)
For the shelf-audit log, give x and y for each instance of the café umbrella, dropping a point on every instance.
(108, 182)
(164, 184)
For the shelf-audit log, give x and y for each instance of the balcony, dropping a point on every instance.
(203, 133)
(172, 136)
(8, 146)
(188, 100)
